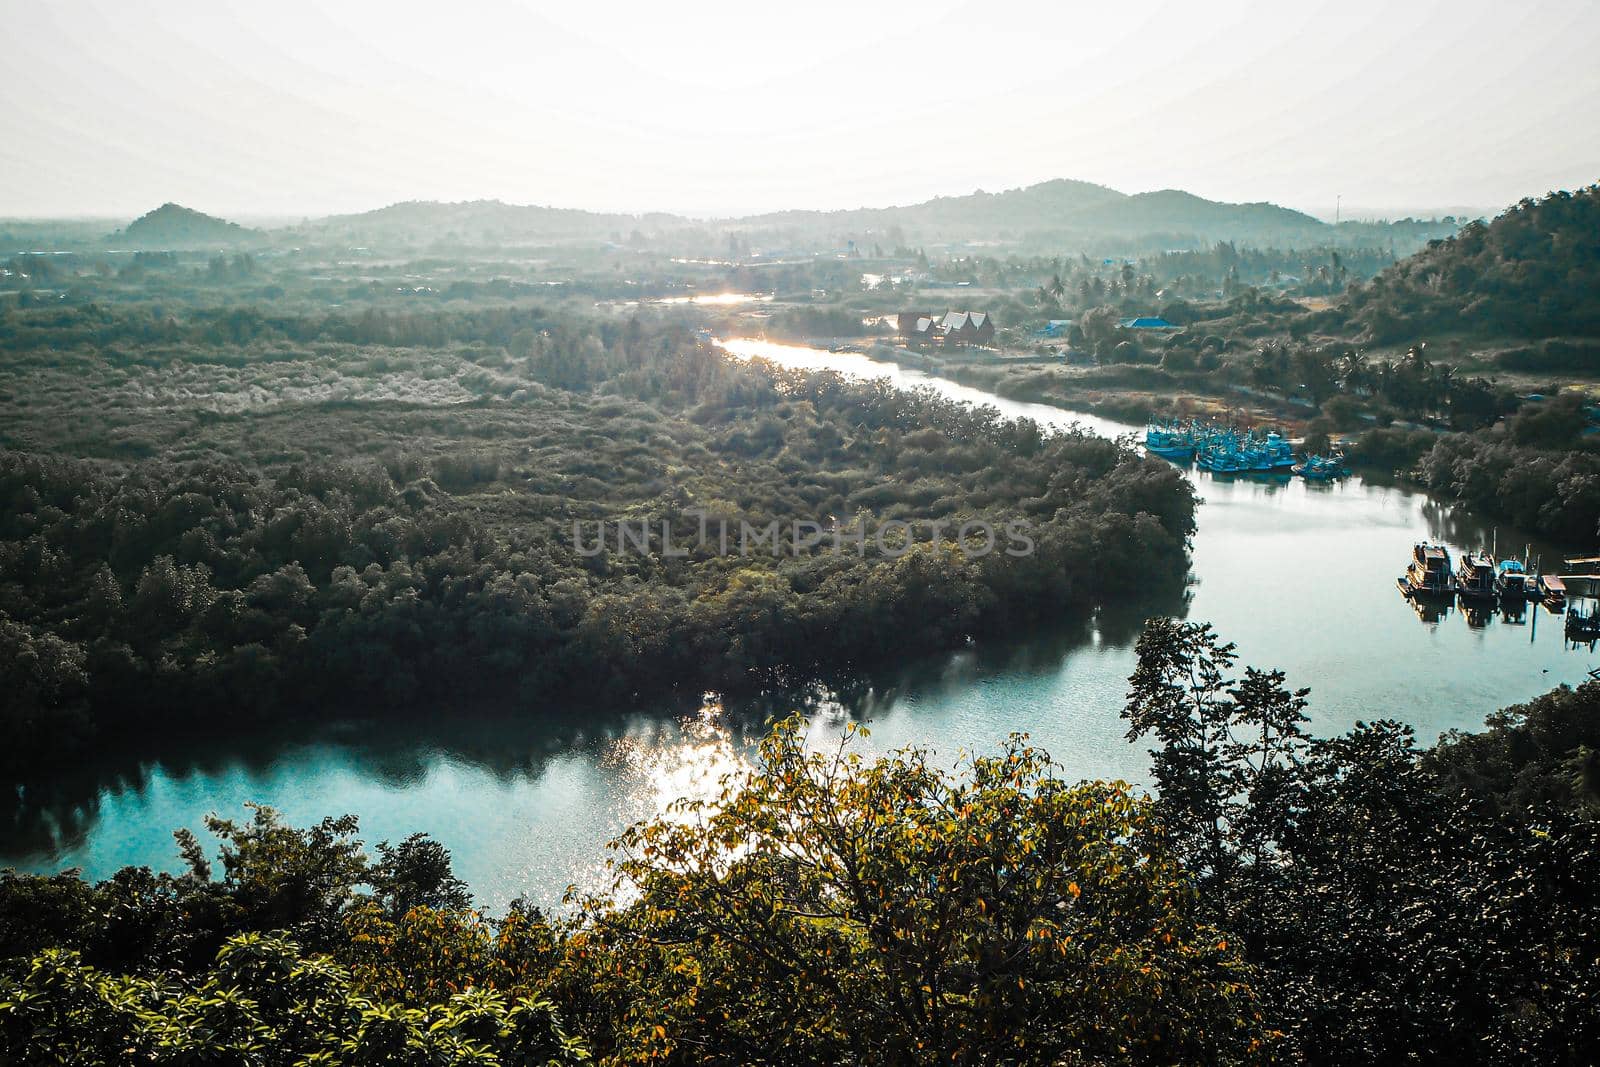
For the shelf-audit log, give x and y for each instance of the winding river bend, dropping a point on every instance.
(1299, 576)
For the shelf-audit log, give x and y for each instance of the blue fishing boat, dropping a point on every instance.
(1221, 450)
(1252, 455)
(1511, 580)
(1170, 439)
(1224, 463)
(1278, 451)
(1222, 453)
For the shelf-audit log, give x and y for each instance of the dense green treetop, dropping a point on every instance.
(1531, 272)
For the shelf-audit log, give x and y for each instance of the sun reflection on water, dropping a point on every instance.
(655, 764)
(689, 762)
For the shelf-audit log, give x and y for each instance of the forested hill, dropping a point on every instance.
(1013, 208)
(1533, 272)
(482, 222)
(175, 226)
(1073, 209)
(1076, 214)
(1176, 209)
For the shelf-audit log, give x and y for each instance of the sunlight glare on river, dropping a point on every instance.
(691, 766)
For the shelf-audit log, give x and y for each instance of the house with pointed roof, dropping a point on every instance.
(917, 327)
(967, 328)
(951, 328)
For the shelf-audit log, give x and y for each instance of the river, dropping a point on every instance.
(1300, 576)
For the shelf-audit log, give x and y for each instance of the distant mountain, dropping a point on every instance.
(176, 226)
(1014, 207)
(1175, 210)
(1054, 214)
(473, 222)
(1063, 213)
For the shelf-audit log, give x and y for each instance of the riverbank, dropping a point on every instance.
(1135, 394)
(527, 801)
(1126, 392)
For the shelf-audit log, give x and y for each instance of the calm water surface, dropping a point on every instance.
(1299, 576)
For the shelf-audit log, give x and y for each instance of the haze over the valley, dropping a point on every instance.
(727, 108)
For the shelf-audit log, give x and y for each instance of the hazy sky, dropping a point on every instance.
(288, 108)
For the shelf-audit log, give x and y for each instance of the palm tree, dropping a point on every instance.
(1356, 371)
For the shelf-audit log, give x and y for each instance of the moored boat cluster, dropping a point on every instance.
(1230, 450)
(1477, 578)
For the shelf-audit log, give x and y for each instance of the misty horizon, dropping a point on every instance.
(284, 219)
(723, 112)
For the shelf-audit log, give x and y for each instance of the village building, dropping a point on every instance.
(951, 328)
(917, 327)
(967, 328)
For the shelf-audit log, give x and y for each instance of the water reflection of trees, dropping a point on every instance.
(1455, 525)
(871, 693)
(56, 812)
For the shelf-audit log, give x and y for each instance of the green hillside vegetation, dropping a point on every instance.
(1532, 272)
(1515, 294)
